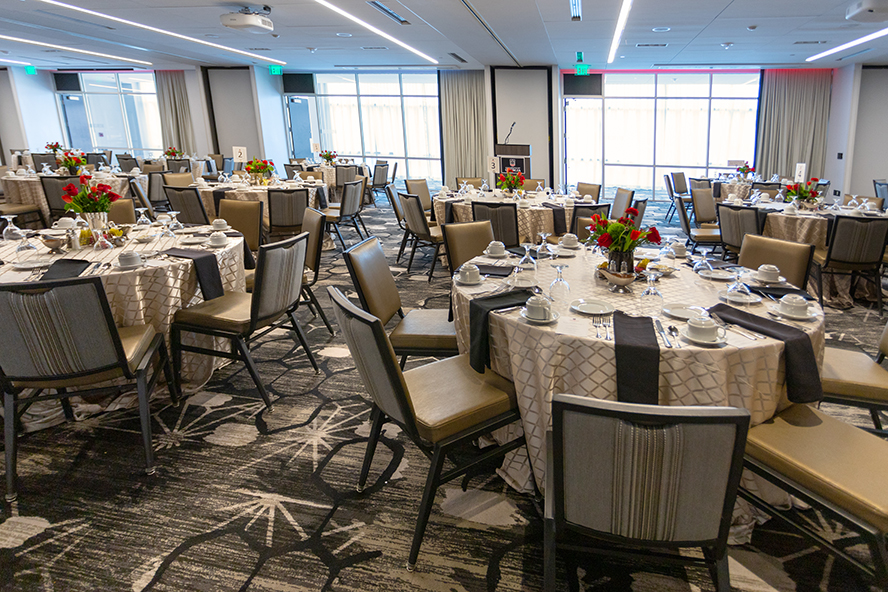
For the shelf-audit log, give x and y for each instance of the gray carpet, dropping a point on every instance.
(244, 500)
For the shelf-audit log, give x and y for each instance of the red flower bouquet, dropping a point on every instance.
(621, 234)
(259, 167)
(89, 197)
(804, 192)
(510, 180)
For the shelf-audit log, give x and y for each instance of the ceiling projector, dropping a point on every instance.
(868, 11)
(249, 20)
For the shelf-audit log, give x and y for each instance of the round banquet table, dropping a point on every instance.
(567, 357)
(147, 295)
(252, 193)
(27, 189)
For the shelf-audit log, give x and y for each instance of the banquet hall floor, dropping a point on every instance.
(244, 500)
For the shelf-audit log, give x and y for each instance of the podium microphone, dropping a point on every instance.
(506, 141)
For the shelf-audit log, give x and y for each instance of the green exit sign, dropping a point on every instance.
(275, 70)
(31, 70)
(582, 70)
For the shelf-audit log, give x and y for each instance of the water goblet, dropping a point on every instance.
(11, 231)
(543, 236)
(174, 222)
(651, 302)
(739, 295)
(559, 290)
(539, 188)
(26, 251)
(853, 203)
(143, 217)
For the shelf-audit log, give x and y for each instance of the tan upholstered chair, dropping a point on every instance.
(122, 212)
(592, 189)
(440, 406)
(531, 184)
(344, 174)
(150, 167)
(669, 475)
(31, 211)
(399, 216)
(583, 225)
(218, 160)
(680, 184)
(394, 172)
(622, 200)
(42, 323)
(735, 223)
(772, 193)
(179, 165)
(699, 184)
(244, 217)
(705, 236)
(475, 182)
(348, 210)
(186, 201)
(316, 175)
(178, 179)
(793, 259)
(503, 217)
(704, 208)
(421, 332)
(380, 178)
(420, 188)
(686, 199)
(465, 240)
(879, 201)
(237, 316)
(423, 234)
(286, 207)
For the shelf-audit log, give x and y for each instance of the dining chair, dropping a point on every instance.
(394, 172)
(622, 200)
(423, 234)
(150, 167)
(685, 199)
(680, 184)
(704, 207)
(503, 217)
(582, 210)
(179, 165)
(793, 259)
(28, 214)
(314, 222)
(380, 179)
(881, 188)
(700, 183)
(61, 335)
(218, 161)
(237, 316)
(475, 182)
(420, 331)
(286, 208)
(669, 476)
(761, 185)
(583, 224)
(293, 170)
(127, 163)
(465, 240)
(178, 179)
(856, 247)
(41, 159)
(420, 188)
(142, 200)
(314, 175)
(53, 189)
(186, 201)
(442, 407)
(735, 223)
(706, 236)
(343, 174)
(95, 158)
(245, 217)
(593, 189)
(122, 211)
(347, 212)
(878, 201)
(399, 216)
(227, 165)
(531, 184)
(298, 160)
(366, 198)
(156, 194)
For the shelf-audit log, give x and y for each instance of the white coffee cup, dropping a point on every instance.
(445, 188)
(135, 171)
(793, 304)
(469, 273)
(705, 329)
(523, 203)
(769, 273)
(569, 240)
(538, 308)
(220, 224)
(496, 248)
(679, 249)
(163, 218)
(587, 198)
(217, 239)
(128, 258)
(21, 172)
(63, 222)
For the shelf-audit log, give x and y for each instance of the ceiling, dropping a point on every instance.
(517, 32)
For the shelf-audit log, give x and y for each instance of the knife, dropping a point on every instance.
(662, 332)
(91, 269)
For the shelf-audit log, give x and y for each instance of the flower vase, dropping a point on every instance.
(616, 260)
(73, 170)
(98, 222)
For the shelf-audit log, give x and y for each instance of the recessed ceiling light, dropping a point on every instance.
(618, 30)
(16, 62)
(661, 29)
(849, 45)
(343, 34)
(71, 49)
(161, 31)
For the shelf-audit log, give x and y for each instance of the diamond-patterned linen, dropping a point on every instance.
(28, 190)
(251, 194)
(531, 221)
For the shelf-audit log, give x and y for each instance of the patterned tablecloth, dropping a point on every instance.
(148, 295)
(531, 220)
(567, 357)
(28, 190)
(251, 194)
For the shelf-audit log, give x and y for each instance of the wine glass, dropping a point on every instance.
(651, 303)
(174, 222)
(703, 265)
(25, 252)
(543, 236)
(484, 185)
(524, 272)
(165, 231)
(539, 188)
(738, 294)
(11, 232)
(853, 203)
(864, 204)
(143, 218)
(559, 290)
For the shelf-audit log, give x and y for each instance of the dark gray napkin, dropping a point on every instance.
(207, 268)
(65, 268)
(219, 195)
(479, 331)
(558, 217)
(777, 292)
(638, 359)
(802, 378)
(495, 270)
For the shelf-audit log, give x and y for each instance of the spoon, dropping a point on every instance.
(673, 330)
(539, 291)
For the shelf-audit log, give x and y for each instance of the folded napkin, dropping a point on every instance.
(207, 268)
(495, 270)
(520, 251)
(558, 217)
(777, 292)
(638, 359)
(65, 268)
(322, 196)
(219, 195)
(448, 212)
(479, 332)
(802, 378)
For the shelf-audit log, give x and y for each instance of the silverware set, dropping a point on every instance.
(751, 335)
(600, 321)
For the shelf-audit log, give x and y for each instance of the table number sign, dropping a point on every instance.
(315, 146)
(801, 169)
(240, 153)
(493, 164)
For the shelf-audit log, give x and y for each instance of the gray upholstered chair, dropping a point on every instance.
(504, 218)
(704, 208)
(422, 331)
(581, 210)
(736, 222)
(53, 189)
(420, 188)
(423, 234)
(60, 335)
(686, 199)
(380, 178)
(95, 158)
(156, 194)
(314, 222)
(142, 200)
(622, 200)
(344, 174)
(700, 183)
(237, 316)
(122, 212)
(680, 184)
(441, 406)
(793, 259)
(179, 165)
(465, 240)
(664, 478)
(245, 217)
(705, 236)
(186, 201)
(348, 210)
(286, 208)
(394, 172)
(41, 159)
(592, 189)
(763, 186)
(640, 206)
(399, 216)
(126, 162)
(293, 170)
(475, 182)
(881, 189)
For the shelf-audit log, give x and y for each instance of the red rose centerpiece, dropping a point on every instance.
(327, 156)
(510, 180)
(260, 170)
(804, 194)
(93, 201)
(745, 169)
(620, 237)
(173, 152)
(72, 161)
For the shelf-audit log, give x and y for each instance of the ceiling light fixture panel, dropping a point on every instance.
(849, 45)
(618, 30)
(576, 10)
(74, 50)
(388, 12)
(5, 61)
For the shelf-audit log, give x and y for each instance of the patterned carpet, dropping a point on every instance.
(244, 500)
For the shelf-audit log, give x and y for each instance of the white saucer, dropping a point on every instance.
(565, 254)
(717, 274)
(716, 341)
(194, 240)
(209, 227)
(754, 276)
(554, 318)
(679, 311)
(31, 265)
(118, 267)
(503, 256)
(576, 247)
(462, 283)
(750, 299)
(591, 307)
(775, 311)
(212, 246)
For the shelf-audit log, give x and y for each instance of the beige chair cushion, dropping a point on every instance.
(178, 179)
(10, 209)
(426, 329)
(250, 275)
(853, 375)
(435, 234)
(834, 459)
(705, 235)
(230, 312)
(449, 397)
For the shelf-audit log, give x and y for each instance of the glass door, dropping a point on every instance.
(583, 142)
(76, 124)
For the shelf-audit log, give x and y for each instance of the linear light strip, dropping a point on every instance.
(849, 45)
(367, 26)
(65, 48)
(618, 31)
(161, 31)
(16, 62)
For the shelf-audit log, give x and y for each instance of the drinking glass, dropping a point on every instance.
(703, 264)
(864, 204)
(165, 230)
(559, 290)
(524, 272)
(543, 236)
(143, 217)
(174, 222)
(46, 170)
(651, 302)
(25, 252)
(853, 203)
(11, 232)
(539, 188)
(484, 185)
(739, 295)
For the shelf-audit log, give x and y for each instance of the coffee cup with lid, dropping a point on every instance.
(218, 239)
(496, 248)
(794, 304)
(469, 273)
(679, 248)
(63, 222)
(129, 258)
(220, 224)
(569, 240)
(705, 329)
(538, 308)
(768, 273)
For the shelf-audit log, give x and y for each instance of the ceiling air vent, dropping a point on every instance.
(258, 49)
(458, 58)
(374, 48)
(651, 44)
(388, 12)
(809, 43)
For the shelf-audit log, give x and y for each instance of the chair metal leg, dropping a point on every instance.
(377, 419)
(820, 285)
(412, 253)
(66, 405)
(172, 383)
(549, 555)
(338, 234)
(301, 335)
(403, 245)
(877, 420)
(244, 351)
(145, 419)
(9, 436)
(403, 361)
(670, 212)
(176, 343)
(357, 229)
(361, 220)
(718, 569)
(425, 507)
(434, 260)
(317, 306)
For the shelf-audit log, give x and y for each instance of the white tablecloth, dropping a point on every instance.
(28, 190)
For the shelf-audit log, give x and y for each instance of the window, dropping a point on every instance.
(648, 125)
(380, 116)
(116, 112)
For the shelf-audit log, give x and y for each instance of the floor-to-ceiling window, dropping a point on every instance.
(113, 111)
(378, 116)
(647, 125)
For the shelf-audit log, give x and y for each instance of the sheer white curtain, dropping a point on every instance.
(175, 114)
(464, 126)
(793, 119)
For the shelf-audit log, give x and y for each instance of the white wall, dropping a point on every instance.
(235, 111)
(272, 119)
(869, 160)
(522, 96)
(842, 128)
(38, 108)
(12, 131)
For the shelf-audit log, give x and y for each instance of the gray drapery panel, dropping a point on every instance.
(793, 120)
(463, 124)
(175, 114)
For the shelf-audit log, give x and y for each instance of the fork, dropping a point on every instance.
(607, 323)
(597, 324)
